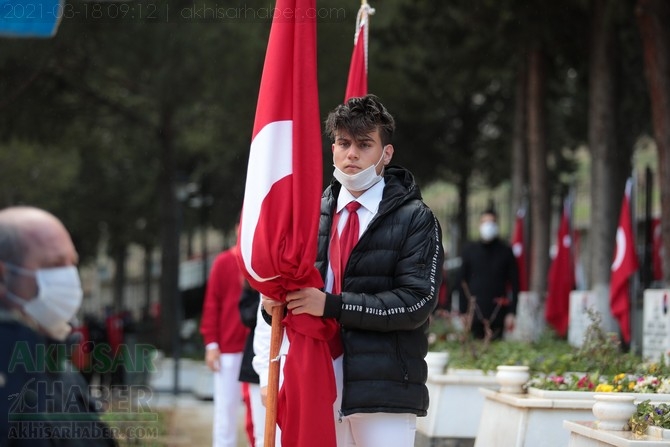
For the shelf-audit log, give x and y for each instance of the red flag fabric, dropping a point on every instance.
(279, 223)
(624, 265)
(519, 249)
(357, 82)
(657, 246)
(561, 277)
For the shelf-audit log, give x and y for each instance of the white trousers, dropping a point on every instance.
(370, 429)
(257, 414)
(227, 400)
(357, 430)
(377, 429)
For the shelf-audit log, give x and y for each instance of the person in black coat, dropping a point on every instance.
(383, 294)
(489, 276)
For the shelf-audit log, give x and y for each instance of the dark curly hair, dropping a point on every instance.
(360, 116)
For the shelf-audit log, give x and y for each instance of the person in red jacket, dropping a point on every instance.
(224, 336)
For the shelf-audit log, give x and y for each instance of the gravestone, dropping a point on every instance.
(656, 324)
(528, 326)
(580, 302)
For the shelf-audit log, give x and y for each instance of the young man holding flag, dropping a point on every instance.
(380, 254)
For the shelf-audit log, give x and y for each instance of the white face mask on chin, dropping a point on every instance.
(59, 296)
(361, 181)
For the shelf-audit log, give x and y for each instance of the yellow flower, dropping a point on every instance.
(631, 385)
(604, 388)
(619, 377)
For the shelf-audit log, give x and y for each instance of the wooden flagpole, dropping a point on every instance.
(273, 377)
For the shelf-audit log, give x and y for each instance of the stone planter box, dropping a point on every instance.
(455, 406)
(658, 432)
(585, 434)
(513, 420)
(550, 394)
(536, 419)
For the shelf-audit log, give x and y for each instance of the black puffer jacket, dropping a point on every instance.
(390, 288)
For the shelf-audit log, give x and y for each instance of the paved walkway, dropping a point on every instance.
(190, 420)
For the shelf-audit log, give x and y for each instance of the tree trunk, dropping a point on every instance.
(148, 277)
(537, 169)
(653, 17)
(120, 255)
(462, 217)
(169, 215)
(605, 199)
(519, 154)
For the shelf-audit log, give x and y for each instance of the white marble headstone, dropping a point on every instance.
(580, 302)
(597, 299)
(656, 324)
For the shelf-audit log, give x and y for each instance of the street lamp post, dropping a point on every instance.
(183, 191)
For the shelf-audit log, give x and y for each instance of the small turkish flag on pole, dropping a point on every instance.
(624, 265)
(561, 277)
(357, 81)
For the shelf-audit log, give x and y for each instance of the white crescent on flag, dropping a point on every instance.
(264, 171)
(624, 265)
(620, 249)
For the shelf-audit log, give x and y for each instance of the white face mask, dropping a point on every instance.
(59, 296)
(488, 231)
(361, 181)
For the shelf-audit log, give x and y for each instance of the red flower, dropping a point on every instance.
(585, 382)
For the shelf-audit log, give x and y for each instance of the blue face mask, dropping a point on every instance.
(59, 296)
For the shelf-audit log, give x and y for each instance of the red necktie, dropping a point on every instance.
(346, 241)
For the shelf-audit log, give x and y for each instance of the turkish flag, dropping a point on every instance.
(624, 265)
(519, 249)
(657, 247)
(561, 277)
(357, 81)
(279, 223)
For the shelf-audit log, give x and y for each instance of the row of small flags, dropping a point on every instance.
(562, 273)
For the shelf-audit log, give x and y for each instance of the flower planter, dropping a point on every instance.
(512, 378)
(553, 394)
(613, 410)
(437, 362)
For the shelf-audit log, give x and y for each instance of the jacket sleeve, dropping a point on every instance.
(415, 279)
(211, 309)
